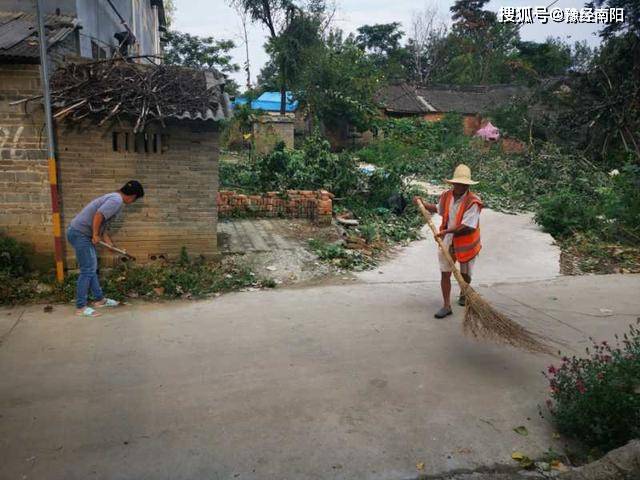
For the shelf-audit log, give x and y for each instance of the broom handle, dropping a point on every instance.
(427, 216)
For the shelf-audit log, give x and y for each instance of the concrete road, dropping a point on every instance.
(352, 381)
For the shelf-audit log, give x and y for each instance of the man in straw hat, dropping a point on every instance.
(459, 231)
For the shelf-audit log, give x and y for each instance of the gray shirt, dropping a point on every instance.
(108, 205)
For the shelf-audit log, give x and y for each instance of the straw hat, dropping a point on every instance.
(462, 174)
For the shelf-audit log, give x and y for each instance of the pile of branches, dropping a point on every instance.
(110, 89)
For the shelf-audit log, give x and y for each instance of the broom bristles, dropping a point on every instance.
(481, 320)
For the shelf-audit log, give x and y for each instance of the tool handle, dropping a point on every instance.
(114, 249)
(427, 216)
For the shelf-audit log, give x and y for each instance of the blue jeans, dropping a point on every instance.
(88, 264)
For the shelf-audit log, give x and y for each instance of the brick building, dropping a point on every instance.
(434, 101)
(175, 159)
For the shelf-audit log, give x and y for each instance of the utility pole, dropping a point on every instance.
(51, 153)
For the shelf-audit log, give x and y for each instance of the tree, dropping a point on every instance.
(382, 43)
(242, 15)
(198, 52)
(169, 11)
(631, 23)
(481, 49)
(202, 53)
(381, 39)
(426, 44)
(553, 57)
(283, 19)
(339, 85)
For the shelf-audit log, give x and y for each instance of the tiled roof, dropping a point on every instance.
(465, 99)
(19, 33)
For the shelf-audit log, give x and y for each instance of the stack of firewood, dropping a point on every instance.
(143, 93)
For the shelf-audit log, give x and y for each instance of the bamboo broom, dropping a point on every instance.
(481, 320)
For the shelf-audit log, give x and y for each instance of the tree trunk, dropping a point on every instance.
(283, 99)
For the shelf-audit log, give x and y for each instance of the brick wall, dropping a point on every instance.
(25, 204)
(181, 180)
(178, 167)
(270, 129)
(315, 205)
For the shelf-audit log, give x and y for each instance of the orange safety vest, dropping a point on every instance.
(465, 247)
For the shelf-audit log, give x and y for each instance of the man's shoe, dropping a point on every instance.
(443, 312)
(462, 301)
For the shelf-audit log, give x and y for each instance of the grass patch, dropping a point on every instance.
(183, 279)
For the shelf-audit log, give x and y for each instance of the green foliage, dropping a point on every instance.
(13, 257)
(564, 212)
(431, 136)
(600, 114)
(382, 43)
(596, 399)
(620, 202)
(185, 278)
(550, 58)
(184, 256)
(198, 52)
(341, 257)
(338, 84)
(294, 31)
(609, 207)
(311, 168)
(381, 223)
(380, 38)
(17, 289)
(389, 151)
(514, 120)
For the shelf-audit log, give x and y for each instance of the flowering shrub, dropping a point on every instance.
(597, 399)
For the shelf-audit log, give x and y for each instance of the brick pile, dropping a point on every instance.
(314, 205)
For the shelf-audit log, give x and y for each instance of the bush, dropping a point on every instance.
(13, 257)
(311, 168)
(620, 202)
(597, 399)
(431, 136)
(185, 278)
(565, 212)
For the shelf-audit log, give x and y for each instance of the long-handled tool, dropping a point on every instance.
(124, 253)
(480, 318)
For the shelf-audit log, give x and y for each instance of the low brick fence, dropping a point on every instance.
(315, 205)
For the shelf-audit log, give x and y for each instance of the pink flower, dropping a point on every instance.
(552, 370)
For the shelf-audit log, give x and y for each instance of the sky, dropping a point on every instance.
(216, 18)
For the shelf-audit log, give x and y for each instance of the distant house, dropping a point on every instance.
(272, 127)
(174, 155)
(433, 102)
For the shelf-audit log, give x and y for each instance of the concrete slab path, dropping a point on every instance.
(243, 235)
(354, 381)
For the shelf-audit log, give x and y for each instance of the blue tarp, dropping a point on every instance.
(270, 102)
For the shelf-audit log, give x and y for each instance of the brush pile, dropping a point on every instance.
(142, 93)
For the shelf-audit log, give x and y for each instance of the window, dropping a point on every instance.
(97, 52)
(146, 143)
